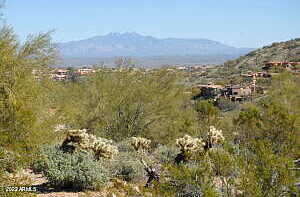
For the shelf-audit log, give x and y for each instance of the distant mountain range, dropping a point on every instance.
(144, 47)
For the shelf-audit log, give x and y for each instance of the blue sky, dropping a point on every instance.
(240, 23)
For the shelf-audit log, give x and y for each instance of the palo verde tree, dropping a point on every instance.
(124, 104)
(268, 139)
(25, 98)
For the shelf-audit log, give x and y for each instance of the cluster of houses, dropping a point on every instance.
(245, 92)
(231, 92)
(290, 66)
(64, 74)
(257, 74)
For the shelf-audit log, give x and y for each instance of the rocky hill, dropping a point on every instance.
(278, 51)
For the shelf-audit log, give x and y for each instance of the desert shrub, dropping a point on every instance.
(76, 171)
(125, 146)
(45, 152)
(126, 171)
(266, 173)
(207, 113)
(222, 162)
(8, 161)
(226, 105)
(188, 190)
(126, 166)
(165, 154)
(190, 179)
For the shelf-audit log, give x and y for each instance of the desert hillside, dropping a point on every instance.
(278, 51)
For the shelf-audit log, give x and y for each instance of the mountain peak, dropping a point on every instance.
(125, 34)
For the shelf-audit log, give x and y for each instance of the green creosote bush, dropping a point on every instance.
(76, 171)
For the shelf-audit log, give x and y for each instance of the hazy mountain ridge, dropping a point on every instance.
(136, 45)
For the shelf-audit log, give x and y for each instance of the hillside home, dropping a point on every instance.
(237, 92)
(284, 65)
(84, 71)
(59, 74)
(210, 91)
(257, 74)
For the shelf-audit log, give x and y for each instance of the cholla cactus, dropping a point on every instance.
(104, 149)
(215, 136)
(80, 139)
(140, 143)
(76, 139)
(189, 144)
(77, 133)
(93, 140)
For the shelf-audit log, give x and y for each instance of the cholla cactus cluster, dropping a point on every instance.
(190, 144)
(80, 139)
(140, 143)
(215, 136)
(104, 149)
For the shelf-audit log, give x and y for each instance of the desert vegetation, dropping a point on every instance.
(135, 133)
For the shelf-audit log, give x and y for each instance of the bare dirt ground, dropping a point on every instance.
(28, 177)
